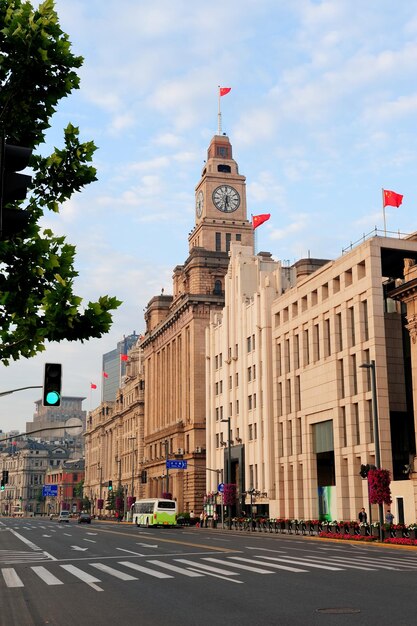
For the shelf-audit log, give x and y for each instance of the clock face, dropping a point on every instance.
(226, 199)
(199, 202)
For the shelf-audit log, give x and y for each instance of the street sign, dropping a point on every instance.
(220, 487)
(174, 464)
(50, 490)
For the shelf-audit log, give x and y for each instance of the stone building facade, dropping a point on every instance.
(114, 441)
(173, 345)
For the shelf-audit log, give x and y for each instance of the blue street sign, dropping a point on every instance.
(173, 464)
(220, 487)
(50, 490)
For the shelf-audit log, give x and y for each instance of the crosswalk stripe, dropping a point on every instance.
(248, 568)
(145, 570)
(11, 578)
(209, 568)
(79, 573)
(287, 568)
(343, 564)
(113, 572)
(174, 568)
(302, 562)
(227, 579)
(46, 575)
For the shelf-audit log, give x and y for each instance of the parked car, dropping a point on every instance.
(85, 518)
(64, 516)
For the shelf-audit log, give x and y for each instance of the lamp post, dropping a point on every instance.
(229, 468)
(166, 444)
(371, 367)
(251, 493)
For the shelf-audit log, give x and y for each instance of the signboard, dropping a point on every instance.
(50, 490)
(220, 487)
(174, 464)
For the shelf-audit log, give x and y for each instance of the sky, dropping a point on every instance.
(322, 115)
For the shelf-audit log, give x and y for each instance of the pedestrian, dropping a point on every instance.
(205, 520)
(202, 519)
(215, 518)
(389, 518)
(192, 515)
(363, 518)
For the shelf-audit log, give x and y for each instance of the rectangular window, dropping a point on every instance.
(296, 351)
(254, 400)
(327, 344)
(300, 435)
(249, 403)
(339, 336)
(249, 374)
(297, 391)
(356, 422)
(289, 426)
(237, 379)
(306, 348)
(344, 427)
(216, 362)
(316, 343)
(250, 432)
(288, 394)
(365, 320)
(352, 325)
(279, 399)
(230, 408)
(341, 378)
(217, 389)
(218, 242)
(237, 407)
(253, 342)
(278, 359)
(254, 372)
(217, 414)
(228, 240)
(354, 374)
(217, 440)
(230, 382)
(238, 237)
(249, 344)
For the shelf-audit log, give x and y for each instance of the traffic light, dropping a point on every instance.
(110, 487)
(5, 476)
(52, 384)
(13, 187)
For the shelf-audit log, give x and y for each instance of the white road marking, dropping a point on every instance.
(90, 540)
(46, 576)
(147, 545)
(26, 541)
(130, 552)
(209, 568)
(113, 572)
(174, 568)
(79, 548)
(274, 565)
(86, 578)
(11, 578)
(145, 570)
(304, 562)
(248, 568)
(229, 580)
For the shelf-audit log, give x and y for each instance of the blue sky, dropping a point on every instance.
(321, 116)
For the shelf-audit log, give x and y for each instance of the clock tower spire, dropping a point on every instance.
(220, 201)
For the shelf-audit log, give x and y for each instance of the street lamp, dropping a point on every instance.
(251, 493)
(229, 467)
(371, 367)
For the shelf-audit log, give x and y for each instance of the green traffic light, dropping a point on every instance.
(52, 398)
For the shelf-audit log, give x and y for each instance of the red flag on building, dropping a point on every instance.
(93, 386)
(105, 374)
(257, 220)
(224, 90)
(390, 198)
(124, 357)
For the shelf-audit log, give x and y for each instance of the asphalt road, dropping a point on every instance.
(105, 573)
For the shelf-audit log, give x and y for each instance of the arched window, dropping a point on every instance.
(217, 287)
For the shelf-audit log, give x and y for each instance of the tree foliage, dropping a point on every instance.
(37, 302)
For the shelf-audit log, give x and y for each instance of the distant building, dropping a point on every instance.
(114, 368)
(56, 417)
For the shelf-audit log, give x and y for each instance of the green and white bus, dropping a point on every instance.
(154, 512)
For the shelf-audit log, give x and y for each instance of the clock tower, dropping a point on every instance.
(220, 202)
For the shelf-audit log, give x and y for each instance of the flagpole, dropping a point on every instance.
(219, 118)
(254, 236)
(383, 212)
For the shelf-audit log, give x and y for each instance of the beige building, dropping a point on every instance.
(239, 377)
(27, 463)
(114, 441)
(283, 363)
(173, 346)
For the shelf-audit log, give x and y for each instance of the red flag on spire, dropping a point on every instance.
(93, 386)
(224, 90)
(391, 198)
(105, 374)
(124, 357)
(257, 220)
